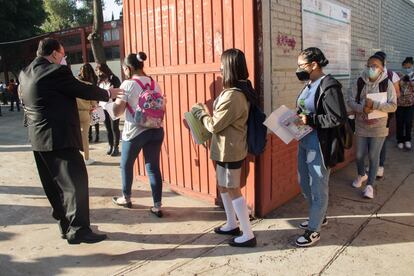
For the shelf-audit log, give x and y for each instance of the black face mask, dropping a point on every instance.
(302, 74)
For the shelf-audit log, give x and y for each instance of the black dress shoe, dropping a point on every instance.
(110, 149)
(249, 243)
(90, 237)
(115, 152)
(233, 232)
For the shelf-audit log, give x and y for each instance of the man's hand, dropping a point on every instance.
(116, 92)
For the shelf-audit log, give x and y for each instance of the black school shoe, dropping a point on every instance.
(249, 243)
(309, 238)
(232, 232)
(89, 237)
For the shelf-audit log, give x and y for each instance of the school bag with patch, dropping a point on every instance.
(150, 109)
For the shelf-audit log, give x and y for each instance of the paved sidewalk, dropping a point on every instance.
(363, 237)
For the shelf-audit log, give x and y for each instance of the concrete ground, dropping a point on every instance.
(363, 237)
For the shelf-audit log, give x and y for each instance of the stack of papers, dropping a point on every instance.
(284, 122)
(199, 133)
(378, 97)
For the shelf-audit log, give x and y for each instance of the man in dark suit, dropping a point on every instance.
(49, 92)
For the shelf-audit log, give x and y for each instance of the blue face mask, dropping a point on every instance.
(407, 71)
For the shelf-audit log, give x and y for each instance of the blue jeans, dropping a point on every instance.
(370, 146)
(383, 153)
(313, 179)
(150, 142)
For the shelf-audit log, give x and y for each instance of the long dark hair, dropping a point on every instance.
(87, 73)
(408, 60)
(313, 54)
(234, 67)
(104, 68)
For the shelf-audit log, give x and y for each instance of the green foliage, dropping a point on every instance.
(20, 19)
(64, 14)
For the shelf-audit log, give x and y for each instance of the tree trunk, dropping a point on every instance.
(95, 37)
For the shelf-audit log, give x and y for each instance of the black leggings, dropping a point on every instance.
(112, 130)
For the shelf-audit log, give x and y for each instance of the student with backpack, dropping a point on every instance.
(143, 105)
(371, 133)
(395, 79)
(320, 105)
(404, 113)
(228, 125)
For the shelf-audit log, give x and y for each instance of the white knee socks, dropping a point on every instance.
(240, 207)
(230, 214)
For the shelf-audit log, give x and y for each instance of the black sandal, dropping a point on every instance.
(158, 213)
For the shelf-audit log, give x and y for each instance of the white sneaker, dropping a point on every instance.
(369, 192)
(89, 162)
(407, 145)
(380, 172)
(400, 145)
(360, 179)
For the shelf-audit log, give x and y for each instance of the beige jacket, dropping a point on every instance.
(85, 105)
(228, 126)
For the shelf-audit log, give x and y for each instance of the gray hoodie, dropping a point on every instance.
(373, 127)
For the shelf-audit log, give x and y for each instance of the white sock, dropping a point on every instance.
(240, 207)
(230, 214)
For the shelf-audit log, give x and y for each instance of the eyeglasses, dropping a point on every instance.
(303, 64)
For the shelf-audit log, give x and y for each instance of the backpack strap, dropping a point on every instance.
(152, 85)
(360, 86)
(140, 83)
(383, 85)
(130, 109)
(390, 74)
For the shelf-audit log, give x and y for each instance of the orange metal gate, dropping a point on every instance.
(184, 40)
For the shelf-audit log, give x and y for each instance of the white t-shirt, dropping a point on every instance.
(132, 93)
(395, 76)
(106, 86)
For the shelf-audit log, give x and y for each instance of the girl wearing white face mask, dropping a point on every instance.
(370, 133)
(404, 114)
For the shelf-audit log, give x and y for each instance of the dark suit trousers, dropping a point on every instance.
(65, 181)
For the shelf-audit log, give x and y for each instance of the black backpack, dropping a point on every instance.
(256, 130)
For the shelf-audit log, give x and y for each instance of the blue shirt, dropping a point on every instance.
(306, 99)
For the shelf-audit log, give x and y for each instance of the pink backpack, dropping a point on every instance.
(150, 109)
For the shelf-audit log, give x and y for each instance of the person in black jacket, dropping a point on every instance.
(107, 79)
(49, 92)
(320, 105)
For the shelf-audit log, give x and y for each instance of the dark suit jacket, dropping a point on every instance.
(49, 93)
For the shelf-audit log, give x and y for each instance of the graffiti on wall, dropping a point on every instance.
(286, 42)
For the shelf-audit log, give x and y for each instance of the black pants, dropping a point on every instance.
(112, 130)
(96, 132)
(13, 100)
(65, 181)
(404, 118)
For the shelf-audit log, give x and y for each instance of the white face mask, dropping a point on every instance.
(63, 61)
